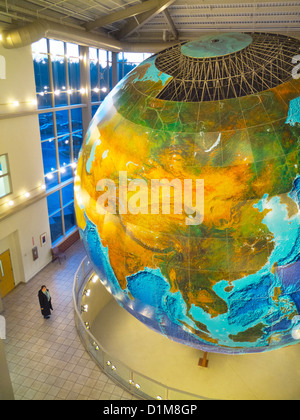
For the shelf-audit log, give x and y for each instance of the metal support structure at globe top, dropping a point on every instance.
(263, 64)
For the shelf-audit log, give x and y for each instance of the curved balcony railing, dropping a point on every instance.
(132, 381)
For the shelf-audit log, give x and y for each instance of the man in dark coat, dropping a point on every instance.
(45, 301)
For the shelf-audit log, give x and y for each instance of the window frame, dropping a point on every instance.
(6, 175)
(48, 95)
(53, 112)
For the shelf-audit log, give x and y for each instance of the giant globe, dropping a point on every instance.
(221, 113)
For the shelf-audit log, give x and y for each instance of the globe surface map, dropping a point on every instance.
(230, 284)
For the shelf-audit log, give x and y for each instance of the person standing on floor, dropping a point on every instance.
(45, 301)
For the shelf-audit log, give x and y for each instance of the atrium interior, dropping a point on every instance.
(59, 62)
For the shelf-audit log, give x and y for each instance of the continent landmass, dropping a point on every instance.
(233, 241)
(250, 335)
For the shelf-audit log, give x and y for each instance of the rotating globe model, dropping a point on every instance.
(187, 192)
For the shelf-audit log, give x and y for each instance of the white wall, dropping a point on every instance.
(19, 83)
(19, 233)
(20, 139)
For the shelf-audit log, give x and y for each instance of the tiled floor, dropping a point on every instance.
(46, 358)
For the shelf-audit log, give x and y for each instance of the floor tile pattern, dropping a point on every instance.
(46, 358)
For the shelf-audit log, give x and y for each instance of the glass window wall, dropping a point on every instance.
(59, 96)
(57, 67)
(128, 61)
(100, 74)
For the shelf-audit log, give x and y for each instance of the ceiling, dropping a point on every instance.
(157, 20)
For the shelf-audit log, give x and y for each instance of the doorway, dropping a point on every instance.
(7, 282)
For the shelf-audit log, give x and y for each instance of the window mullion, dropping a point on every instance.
(69, 103)
(67, 74)
(54, 114)
(98, 75)
(62, 213)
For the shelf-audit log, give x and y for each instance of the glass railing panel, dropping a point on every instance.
(82, 331)
(118, 371)
(146, 387)
(175, 394)
(87, 267)
(137, 384)
(96, 351)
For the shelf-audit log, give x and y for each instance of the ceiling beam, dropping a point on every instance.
(256, 3)
(170, 23)
(57, 10)
(19, 13)
(217, 21)
(142, 18)
(5, 18)
(122, 14)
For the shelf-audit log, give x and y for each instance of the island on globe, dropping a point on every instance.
(187, 192)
